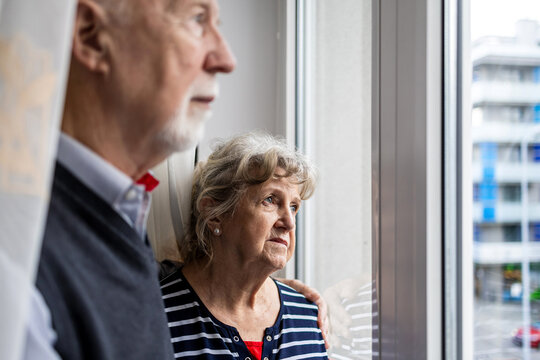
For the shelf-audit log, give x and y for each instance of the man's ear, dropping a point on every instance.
(89, 37)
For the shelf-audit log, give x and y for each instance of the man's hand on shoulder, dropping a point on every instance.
(313, 295)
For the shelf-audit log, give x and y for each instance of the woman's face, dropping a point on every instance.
(261, 231)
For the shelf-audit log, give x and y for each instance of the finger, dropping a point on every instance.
(323, 321)
(326, 337)
(340, 319)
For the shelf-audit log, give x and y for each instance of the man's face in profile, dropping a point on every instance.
(168, 55)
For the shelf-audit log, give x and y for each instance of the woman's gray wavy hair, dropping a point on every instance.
(233, 166)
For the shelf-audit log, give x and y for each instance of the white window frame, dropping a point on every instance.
(458, 245)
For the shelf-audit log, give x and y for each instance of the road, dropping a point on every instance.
(493, 326)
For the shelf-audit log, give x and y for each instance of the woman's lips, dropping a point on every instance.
(280, 241)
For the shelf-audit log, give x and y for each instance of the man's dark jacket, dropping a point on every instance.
(99, 280)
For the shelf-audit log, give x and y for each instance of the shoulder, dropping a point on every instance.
(300, 336)
(179, 300)
(71, 201)
(287, 293)
(294, 301)
(171, 279)
(168, 267)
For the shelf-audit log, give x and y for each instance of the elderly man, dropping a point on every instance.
(142, 78)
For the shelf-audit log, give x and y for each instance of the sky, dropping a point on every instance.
(497, 17)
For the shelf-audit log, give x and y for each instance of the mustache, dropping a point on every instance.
(206, 90)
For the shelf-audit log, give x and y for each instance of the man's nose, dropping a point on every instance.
(221, 58)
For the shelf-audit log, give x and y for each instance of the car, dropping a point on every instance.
(517, 335)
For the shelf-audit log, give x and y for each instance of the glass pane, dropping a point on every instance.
(337, 128)
(505, 134)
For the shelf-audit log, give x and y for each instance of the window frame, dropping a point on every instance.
(458, 196)
(407, 178)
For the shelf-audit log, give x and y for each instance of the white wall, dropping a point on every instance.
(341, 147)
(249, 95)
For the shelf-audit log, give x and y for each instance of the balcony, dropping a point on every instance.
(507, 212)
(506, 172)
(507, 93)
(500, 253)
(506, 54)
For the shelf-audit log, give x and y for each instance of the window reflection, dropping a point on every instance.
(337, 125)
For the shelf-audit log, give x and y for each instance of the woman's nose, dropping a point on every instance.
(287, 219)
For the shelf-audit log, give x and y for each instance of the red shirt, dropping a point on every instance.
(255, 348)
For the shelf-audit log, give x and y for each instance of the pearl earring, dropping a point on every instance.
(217, 231)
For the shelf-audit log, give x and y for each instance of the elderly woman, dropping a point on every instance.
(223, 303)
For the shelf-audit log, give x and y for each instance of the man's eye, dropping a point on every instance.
(199, 18)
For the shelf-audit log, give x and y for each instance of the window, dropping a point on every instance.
(366, 105)
(497, 277)
(334, 128)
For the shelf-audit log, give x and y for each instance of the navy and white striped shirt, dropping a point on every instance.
(197, 334)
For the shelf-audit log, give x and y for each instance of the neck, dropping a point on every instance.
(89, 122)
(235, 288)
(236, 296)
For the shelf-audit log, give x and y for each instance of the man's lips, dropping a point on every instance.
(203, 99)
(280, 241)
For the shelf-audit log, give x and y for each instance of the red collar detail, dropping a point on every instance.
(255, 348)
(149, 182)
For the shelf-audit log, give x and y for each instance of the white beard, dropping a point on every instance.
(185, 129)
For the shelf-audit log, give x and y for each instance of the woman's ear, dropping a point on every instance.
(205, 204)
(90, 38)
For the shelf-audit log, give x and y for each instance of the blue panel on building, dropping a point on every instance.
(489, 152)
(489, 214)
(476, 232)
(488, 173)
(536, 109)
(536, 232)
(536, 74)
(488, 191)
(536, 152)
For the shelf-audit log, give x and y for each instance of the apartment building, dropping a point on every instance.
(505, 95)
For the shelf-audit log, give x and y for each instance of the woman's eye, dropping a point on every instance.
(294, 208)
(269, 200)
